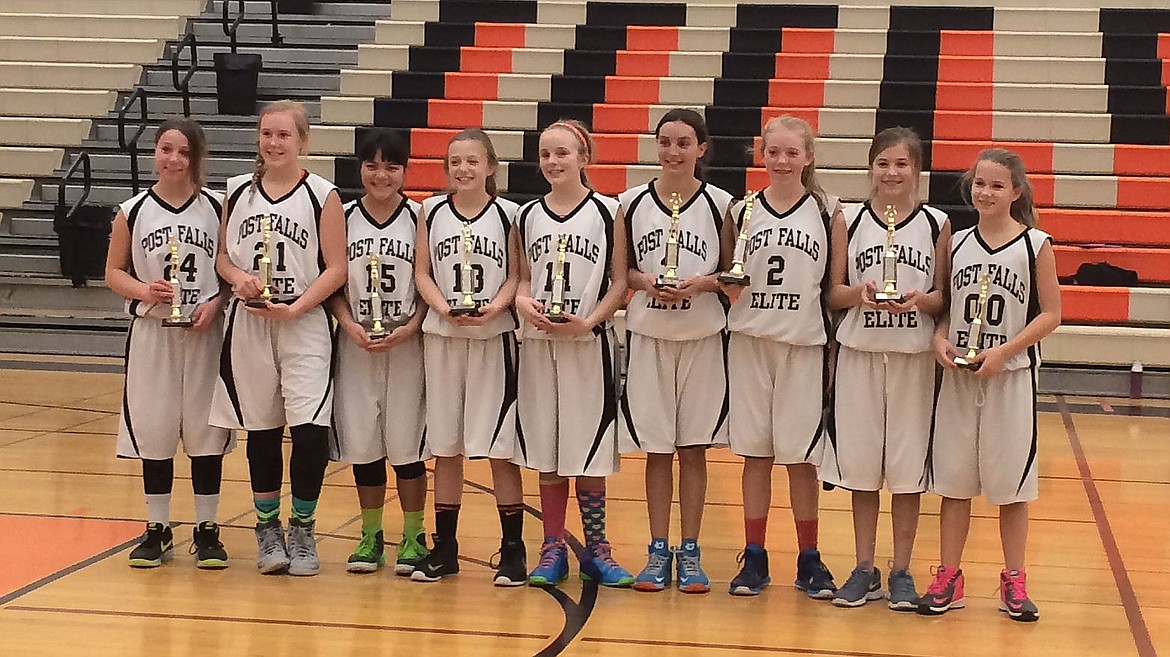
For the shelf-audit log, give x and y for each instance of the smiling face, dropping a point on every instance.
(992, 191)
(561, 156)
(679, 148)
(172, 158)
(785, 156)
(468, 165)
(894, 173)
(281, 143)
(382, 180)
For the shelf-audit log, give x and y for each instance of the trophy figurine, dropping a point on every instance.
(466, 304)
(889, 291)
(176, 319)
(669, 278)
(975, 333)
(736, 275)
(376, 329)
(556, 307)
(265, 273)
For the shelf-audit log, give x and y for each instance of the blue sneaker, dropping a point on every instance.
(599, 566)
(691, 578)
(553, 567)
(656, 575)
(753, 576)
(813, 577)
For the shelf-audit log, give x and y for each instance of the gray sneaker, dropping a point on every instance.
(903, 596)
(302, 549)
(860, 588)
(273, 557)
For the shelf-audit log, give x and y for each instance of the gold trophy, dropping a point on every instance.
(176, 319)
(736, 275)
(889, 291)
(669, 278)
(975, 333)
(376, 329)
(265, 274)
(466, 304)
(556, 307)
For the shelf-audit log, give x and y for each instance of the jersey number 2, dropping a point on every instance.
(187, 267)
(279, 256)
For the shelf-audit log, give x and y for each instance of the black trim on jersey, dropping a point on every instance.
(1032, 449)
(450, 200)
(334, 434)
(831, 423)
(431, 215)
(226, 373)
(213, 201)
(522, 219)
(317, 211)
(132, 215)
(1033, 302)
(607, 219)
(510, 391)
(609, 406)
(938, 381)
(826, 399)
(724, 339)
(332, 365)
(558, 218)
(935, 224)
(134, 304)
(955, 248)
(625, 397)
(631, 255)
(880, 221)
(170, 208)
(780, 215)
(1002, 247)
(370, 219)
(288, 195)
(422, 443)
(235, 198)
(701, 191)
(126, 393)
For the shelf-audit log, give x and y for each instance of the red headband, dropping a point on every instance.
(577, 132)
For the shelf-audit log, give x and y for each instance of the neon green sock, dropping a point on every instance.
(372, 520)
(412, 523)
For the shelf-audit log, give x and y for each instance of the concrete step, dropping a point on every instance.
(292, 33)
(55, 293)
(80, 49)
(57, 103)
(43, 131)
(28, 162)
(92, 25)
(107, 7)
(269, 83)
(162, 106)
(262, 9)
(332, 57)
(59, 332)
(32, 75)
(14, 191)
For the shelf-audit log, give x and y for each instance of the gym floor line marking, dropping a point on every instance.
(742, 647)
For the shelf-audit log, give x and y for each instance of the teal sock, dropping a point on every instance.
(267, 510)
(302, 510)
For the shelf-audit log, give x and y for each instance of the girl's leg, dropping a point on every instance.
(904, 509)
(1013, 534)
(444, 558)
(513, 567)
(206, 477)
(692, 490)
(946, 591)
(659, 491)
(804, 492)
(370, 480)
(757, 498)
(157, 544)
(866, 505)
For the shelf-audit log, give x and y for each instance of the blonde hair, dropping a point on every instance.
(808, 176)
(300, 119)
(584, 142)
(1022, 209)
(475, 134)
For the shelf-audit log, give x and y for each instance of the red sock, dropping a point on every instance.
(806, 534)
(554, 498)
(755, 530)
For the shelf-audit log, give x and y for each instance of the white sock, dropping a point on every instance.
(206, 507)
(158, 508)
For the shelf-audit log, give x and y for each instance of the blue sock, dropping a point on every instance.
(267, 510)
(302, 510)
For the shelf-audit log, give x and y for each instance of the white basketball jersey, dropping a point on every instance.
(787, 257)
(393, 243)
(700, 221)
(588, 233)
(195, 225)
(1012, 298)
(867, 329)
(488, 258)
(293, 246)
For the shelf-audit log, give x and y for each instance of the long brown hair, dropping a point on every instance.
(475, 134)
(1022, 209)
(895, 136)
(300, 118)
(196, 146)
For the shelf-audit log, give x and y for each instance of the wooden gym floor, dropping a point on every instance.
(69, 513)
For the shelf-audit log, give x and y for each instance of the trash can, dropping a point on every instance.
(236, 78)
(84, 240)
(296, 6)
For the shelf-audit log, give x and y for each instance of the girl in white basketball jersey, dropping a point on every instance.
(378, 409)
(572, 240)
(1001, 285)
(778, 360)
(470, 352)
(170, 370)
(286, 225)
(885, 371)
(675, 399)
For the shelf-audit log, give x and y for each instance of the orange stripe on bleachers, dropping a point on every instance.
(966, 69)
(1069, 226)
(1164, 46)
(1094, 304)
(485, 60)
(643, 63)
(608, 178)
(802, 66)
(418, 196)
(1137, 160)
(808, 40)
(652, 37)
(621, 118)
(500, 35)
(1166, 72)
(757, 178)
(615, 149)
(1144, 193)
(962, 125)
(966, 43)
(799, 93)
(641, 90)
(454, 113)
(472, 86)
(1151, 265)
(958, 155)
(964, 96)
(429, 142)
(426, 175)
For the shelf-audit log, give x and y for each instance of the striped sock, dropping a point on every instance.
(267, 510)
(303, 510)
(592, 503)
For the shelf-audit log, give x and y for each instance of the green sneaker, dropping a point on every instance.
(411, 551)
(368, 555)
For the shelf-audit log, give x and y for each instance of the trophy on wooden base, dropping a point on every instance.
(556, 306)
(975, 333)
(889, 291)
(736, 275)
(669, 278)
(466, 304)
(176, 319)
(376, 329)
(265, 267)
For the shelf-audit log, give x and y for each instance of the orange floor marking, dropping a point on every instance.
(651, 37)
(36, 547)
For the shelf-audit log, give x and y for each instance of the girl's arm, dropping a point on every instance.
(1048, 290)
(842, 296)
(332, 238)
(944, 351)
(618, 269)
(423, 280)
(244, 285)
(530, 309)
(507, 294)
(934, 302)
(118, 276)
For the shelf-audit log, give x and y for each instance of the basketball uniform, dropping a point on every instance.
(984, 434)
(379, 405)
(567, 404)
(884, 388)
(777, 357)
(470, 371)
(274, 373)
(676, 382)
(170, 372)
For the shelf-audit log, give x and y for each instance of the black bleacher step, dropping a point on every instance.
(1133, 72)
(942, 18)
(1148, 130)
(1134, 21)
(499, 11)
(262, 9)
(636, 13)
(791, 15)
(1144, 101)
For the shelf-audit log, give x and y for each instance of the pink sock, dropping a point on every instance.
(554, 498)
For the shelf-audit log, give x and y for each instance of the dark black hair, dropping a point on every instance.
(385, 142)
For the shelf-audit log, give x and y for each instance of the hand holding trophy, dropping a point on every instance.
(556, 307)
(466, 304)
(736, 275)
(176, 319)
(265, 273)
(975, 333)
(669, 278)
(377, 329)
(889, 291)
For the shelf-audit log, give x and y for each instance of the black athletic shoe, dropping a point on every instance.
(207, 548)
(157, 546)
(512, 569)
(442, 561)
